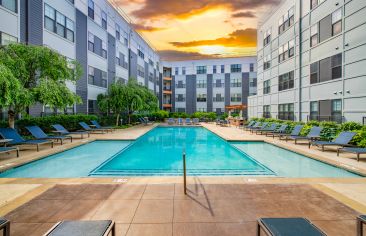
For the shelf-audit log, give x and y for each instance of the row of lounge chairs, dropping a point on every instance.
(41, 138)
(271, 226)
(313, 138)
(180, 121)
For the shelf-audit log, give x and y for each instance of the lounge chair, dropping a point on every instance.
(5, 226)
(38, 133)
(98, 126)
(361, 220)
(277, 132)
(313, 135)
(9, 133)
(342, 140)
(250, 124)
(288, 227)
(261, 126)
(180, 121)
(196, 121)
(86, 127)
(82, 228)
(271, 128)
(63, 131)
(188, 121)
(295, 132)
(225, 123)
(142, 121)
(9, 149)
(171, 121)
(255, 126)
(218, 122)
(356, 150)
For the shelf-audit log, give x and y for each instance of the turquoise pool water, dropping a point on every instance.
(159, 152)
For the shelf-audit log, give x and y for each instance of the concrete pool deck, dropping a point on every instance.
(350, 192)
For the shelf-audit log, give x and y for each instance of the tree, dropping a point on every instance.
(41, 75)
(113, 100)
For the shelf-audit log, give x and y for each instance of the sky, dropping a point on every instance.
(197, 29)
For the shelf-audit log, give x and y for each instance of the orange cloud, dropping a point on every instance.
(174, 55)
(146, 28)
(239, 38)
(244, 14)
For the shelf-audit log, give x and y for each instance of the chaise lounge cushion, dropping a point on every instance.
(291, 227)
(81, 228)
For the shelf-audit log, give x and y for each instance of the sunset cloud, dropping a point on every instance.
(244, 14)
(238, 38)
(146, 28)
(155, 9)
(175, 55)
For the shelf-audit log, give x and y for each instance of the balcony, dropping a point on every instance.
(167, 91)
(167, 78)
(167, 105)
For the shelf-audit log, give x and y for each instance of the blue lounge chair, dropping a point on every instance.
(9, 133)
(86, 127)
(313, 135)
(63, 131)
(142, 121)
(171, 121)
(264, 130)
(196, 121)
(9, 149)
(288, 227)
(259, 127)
(82, 228)
(98, 126)
(38, 133)
(180, 121)
(225, 123)
(295, 132)
(342, 140)
(356, 150)
(250, 124)
(277, 132)
(188, 121)
(255, 126)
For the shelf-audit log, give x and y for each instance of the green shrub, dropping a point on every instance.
(159, 115)
(349, 126)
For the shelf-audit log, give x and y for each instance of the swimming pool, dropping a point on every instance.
(159, 152)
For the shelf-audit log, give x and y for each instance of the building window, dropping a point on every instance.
(201, 84)
(267, 62)
(222, 69)
(183, 70)
(267, 86)
(201, 70)
(251, 67)
(140, 71)
(58, 23)
(337, 22)
(235, 83)
(214, 70)
(151, 77)
(286, 51)
(91, 42)
(218, 98)
(218, 111)
(141, 54)
(326, 69)
(180, 109)
(219, 83)
(336, 109)
(91, 9)
(6, 39)
(91, 76)
(267, 37)
(267, 111)
(104, 49)
(286, 111)
(11, 5)
(236, 97)
(286, 81)
(104, 79)
(314, 38)
(180, 98)
(235, 68)
(176, 71)
(92, 105)
(201, 98)
(201, 109)
(118, 32)
(314, 110)
(286, 21)
(104, 20)
(180, 84)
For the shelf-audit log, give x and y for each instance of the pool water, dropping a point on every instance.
(159, 152)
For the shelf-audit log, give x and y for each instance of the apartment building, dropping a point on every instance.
(208, 85)
(312, 61)
(91, 31)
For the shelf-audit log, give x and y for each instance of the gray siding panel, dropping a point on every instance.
(209, 93)
(35, 22)
(133, 65)
(23, 20)
(81, 56)
(160, 90)
(245, 92)
(155, 81)
(227, 89)
(173, 93)
(191, 94)
(111, 59)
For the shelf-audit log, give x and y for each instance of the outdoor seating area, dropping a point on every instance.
(183, 122)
